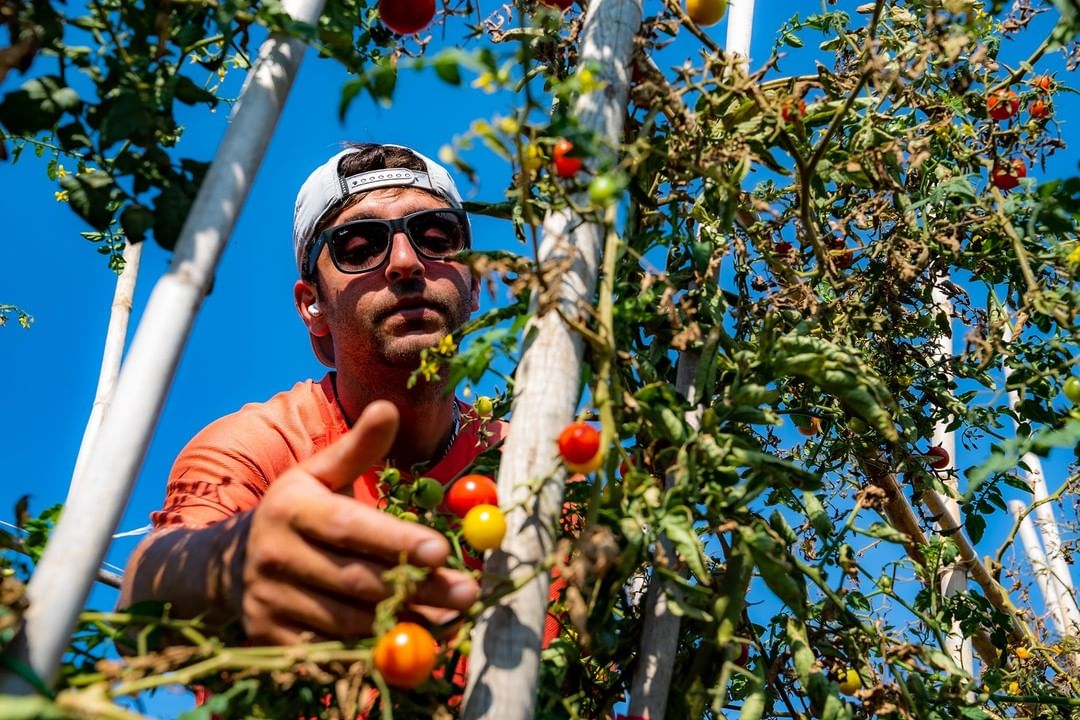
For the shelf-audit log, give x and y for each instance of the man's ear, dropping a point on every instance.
(306, 297)
(474, 292)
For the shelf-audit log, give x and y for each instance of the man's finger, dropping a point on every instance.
(351, 577)
(365, 444)
(347, 525)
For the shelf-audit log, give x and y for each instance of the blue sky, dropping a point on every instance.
(248, 342)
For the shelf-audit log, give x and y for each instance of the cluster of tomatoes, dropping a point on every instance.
(406, 655)
(1004, 105)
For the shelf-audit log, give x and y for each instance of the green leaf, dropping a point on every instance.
(37, 105)
(136, 220)
(187, 92)
(676, 525)
(91, 196)
(447, 68)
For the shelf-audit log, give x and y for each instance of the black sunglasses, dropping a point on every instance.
(361, 246)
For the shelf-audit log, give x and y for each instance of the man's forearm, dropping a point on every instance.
(198, 571)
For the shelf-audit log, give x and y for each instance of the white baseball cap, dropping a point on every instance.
(326, 186)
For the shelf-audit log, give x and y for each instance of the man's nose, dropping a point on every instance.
(404, 261)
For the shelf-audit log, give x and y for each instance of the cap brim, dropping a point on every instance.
(324, 349)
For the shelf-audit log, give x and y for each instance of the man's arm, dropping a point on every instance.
(197, 570)
(307, 559)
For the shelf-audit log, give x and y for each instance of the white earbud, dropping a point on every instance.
(314, 309)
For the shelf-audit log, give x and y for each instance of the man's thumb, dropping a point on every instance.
(367, 443)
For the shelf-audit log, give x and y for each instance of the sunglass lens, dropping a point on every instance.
(439, 233)
(360, 245)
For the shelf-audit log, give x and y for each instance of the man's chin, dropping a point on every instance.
(404, 351)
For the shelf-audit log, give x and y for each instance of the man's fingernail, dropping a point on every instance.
(463, 594)
(431, 552)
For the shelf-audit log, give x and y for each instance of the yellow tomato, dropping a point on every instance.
(850, 681)
(706, 12)
(484, 527)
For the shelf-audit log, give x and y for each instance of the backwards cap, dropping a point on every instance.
(326, 186)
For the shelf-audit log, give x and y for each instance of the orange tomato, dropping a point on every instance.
(405, 656)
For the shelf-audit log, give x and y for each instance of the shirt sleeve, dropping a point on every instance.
(216, 476)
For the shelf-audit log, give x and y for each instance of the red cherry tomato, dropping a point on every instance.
(579, 446)
(468, 492)
(1044, 83)
(813, 426)
(1007, 176)
(405, 656)
(1040, 109)
(566, 166)
(938, 457)
(791, 110)
(561, 4)
(484, 527)
(406, 17)
(1002, 105)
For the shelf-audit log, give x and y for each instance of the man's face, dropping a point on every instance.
(389, 314)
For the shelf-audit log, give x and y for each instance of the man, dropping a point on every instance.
(270, 513)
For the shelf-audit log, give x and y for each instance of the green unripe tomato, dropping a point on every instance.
(604, 189)
(484, 406)
(427, 493)
(1072, 389)
(409, 516)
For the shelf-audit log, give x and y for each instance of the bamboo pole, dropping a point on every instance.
(113, 353)
(1040, 568)
(651, 684)
(505, 659)
(62, 580)
(953, 579)
(1060, 575)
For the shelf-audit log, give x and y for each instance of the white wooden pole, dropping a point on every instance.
(1060, 575)
(113, 353)
(953, 579)
(69, 565)
(505, 660)
(651, 684)
(1029, 536)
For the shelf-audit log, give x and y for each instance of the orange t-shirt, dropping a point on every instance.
(228, 466)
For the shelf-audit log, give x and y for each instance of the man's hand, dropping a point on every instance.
(315, 558)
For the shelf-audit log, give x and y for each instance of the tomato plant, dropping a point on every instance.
(566, 164)
(405, 656)
(469, 491)
(484, 527)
